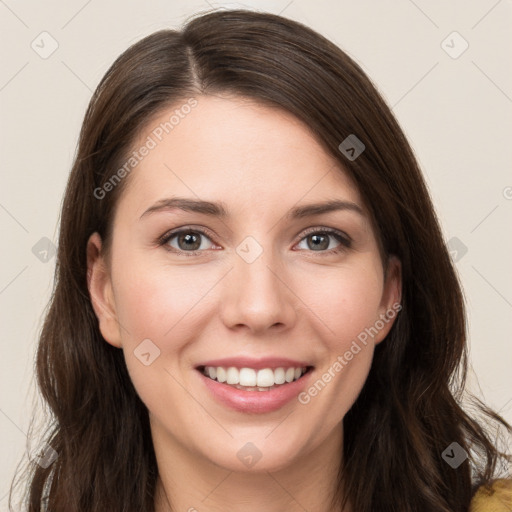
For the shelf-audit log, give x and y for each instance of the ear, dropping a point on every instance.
(390, 305)
(100, 290)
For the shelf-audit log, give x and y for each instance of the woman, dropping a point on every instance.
(254, 308)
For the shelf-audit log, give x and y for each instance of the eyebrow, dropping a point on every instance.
(219, 209)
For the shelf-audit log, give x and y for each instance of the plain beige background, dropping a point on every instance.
(454, 103)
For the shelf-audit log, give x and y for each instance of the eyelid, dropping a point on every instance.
(184, 229)
(344, 239)
(325, 229)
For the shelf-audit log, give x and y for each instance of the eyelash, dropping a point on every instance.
(345, 240)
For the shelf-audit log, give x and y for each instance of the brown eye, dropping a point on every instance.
(320, 241)
(187, 241)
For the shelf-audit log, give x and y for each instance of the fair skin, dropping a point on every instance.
(294, 300)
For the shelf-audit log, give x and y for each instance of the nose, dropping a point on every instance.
(257, 296)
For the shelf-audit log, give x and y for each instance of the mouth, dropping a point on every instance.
(252, 379)
(254, 390)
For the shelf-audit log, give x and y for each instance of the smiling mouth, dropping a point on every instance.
(249, 379)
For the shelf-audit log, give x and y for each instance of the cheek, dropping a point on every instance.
(346, 300)
(347, 303)
(155, 301)
(168, 305)
(164, 305)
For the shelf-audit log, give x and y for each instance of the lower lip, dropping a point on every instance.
(255, 401)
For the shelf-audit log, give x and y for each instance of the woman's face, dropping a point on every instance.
(263, 285)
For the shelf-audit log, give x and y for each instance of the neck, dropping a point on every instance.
(190, 482)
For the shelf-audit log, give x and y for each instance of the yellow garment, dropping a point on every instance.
(498, 499)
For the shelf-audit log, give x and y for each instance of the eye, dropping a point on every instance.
(188, 241)
(317, 240)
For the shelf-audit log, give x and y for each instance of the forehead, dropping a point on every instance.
(237, 151)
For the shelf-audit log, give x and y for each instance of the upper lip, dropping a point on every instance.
(257, 364)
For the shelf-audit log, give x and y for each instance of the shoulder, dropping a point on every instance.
(495, 498)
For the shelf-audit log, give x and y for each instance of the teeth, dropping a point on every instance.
(264, 379)
(221, 374)
(252, 380)
(279, 376)
(248, 377)
(232, 376)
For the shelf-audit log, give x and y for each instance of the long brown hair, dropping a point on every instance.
(410, 409)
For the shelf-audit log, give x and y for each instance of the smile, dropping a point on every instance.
(235, 388)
